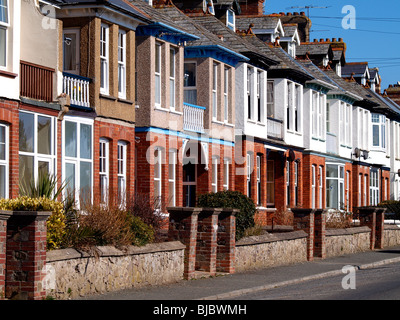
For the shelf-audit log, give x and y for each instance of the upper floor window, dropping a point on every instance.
(190, 90)
(4, 160)
(293, 107)
(270, 99)
(122, 64)
(318, 103)
(104, 169)
(172, 76)
(249, 100)
(226, 94)
(345, 124)
(4, 23)
(379, 130)
(150, 2)
(208, 5)
(215, 91)
(157, 75)
(230, 19)
(122, 159)
(104, 59)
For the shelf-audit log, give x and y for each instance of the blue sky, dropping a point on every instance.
(375, 39)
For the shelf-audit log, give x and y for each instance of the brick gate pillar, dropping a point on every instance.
(226, 240)
(206, 250)
(26, 255)
(303, 219)
(319, 233)
(373, 217)
(4, 216)
(183, 227)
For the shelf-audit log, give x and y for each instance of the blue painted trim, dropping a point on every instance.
(184, 135)
(194, 106)
(216, 52)
(76, 76)
(165, 32)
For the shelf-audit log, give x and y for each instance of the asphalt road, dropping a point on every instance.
(380, 283)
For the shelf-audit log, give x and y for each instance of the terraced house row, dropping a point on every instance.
(172, 99)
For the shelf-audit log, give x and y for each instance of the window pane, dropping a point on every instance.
(26, 131)
(3, 11)
(157, 89)
(331, 171)
(86, 141)
(25, 171)
(43, 168)
(70, 139)
(3, 181)
(70, 62)
(375, 135)
(70, 178)
(190, 75)
(332, 194)
(44, 135)
(3, 34)
(85, 180)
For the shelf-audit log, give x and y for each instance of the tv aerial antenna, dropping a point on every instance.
(308, 8)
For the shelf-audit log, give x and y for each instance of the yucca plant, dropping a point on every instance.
(46, 186)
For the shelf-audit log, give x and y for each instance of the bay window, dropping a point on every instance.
(226, 174)
(78, 158)
(36, 147)
(258, 165)
(215, 92)
(226, 92)
(270, 99)
(189, 85)
(172, 76)
(270, 183)
(313, 186)
(249, 166)
(214, 173)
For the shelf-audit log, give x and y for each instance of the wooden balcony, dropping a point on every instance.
(36, 82)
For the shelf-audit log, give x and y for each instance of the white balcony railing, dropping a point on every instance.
(193, 117)
(77, 87)
(275, 128)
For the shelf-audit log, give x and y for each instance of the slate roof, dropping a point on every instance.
(314, 49)
(237, 42)
(358, 68)
(260, 22)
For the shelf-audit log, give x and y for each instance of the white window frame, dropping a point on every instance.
(270, 182)
(248, 164)
(258, 96)
(270, 94)
(320, 185)
(188, 88)
(122, 64)
(340, 185)
(77, 160)
(5, 26)
(347, 190)
(360, 178)
(297, 108)
(379, 121)
(35, 154)
(121, 172)
(313, 186)
(296, 183)
(374, 187)
(104, 171)
(172, 176)
(104, 58)
(172, 78)
(365, 189)
(158, 179)
(230, 14)
(214, 174)
(226, 94)
(226, 174)
(5, 162)
(158, 73)
(249, 82)
(258, 169)
(288, 183)
(215, 91)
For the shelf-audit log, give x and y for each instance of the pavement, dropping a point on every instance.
(225, 287)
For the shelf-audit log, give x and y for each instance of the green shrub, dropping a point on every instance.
(55, 223)
(142, 232)
(232, 199)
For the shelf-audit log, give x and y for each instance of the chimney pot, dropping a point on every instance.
(295, 13)
(340, 39)
(302, 13)
(328, 40)
(289, 14)
(321, 40)
(333, 39)
(282, 13)
(315, 40)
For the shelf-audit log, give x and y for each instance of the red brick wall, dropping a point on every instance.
(317, 161)
(358, 169)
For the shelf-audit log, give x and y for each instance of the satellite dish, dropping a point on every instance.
(365, 154)
(357, 152)
(398, 172)
(291, 155)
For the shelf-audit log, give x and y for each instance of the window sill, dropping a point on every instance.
(8, 74)
(108, 97)
(176, 112)
(125, 101)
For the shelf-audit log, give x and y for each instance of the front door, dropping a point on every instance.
(189, 184)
